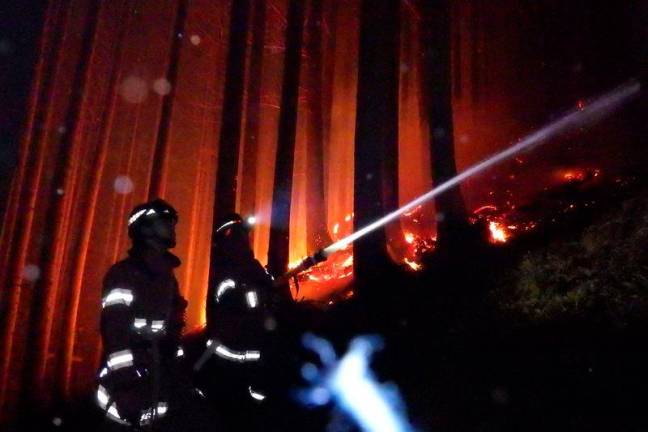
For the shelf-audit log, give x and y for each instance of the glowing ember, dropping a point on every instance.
(498, 232)
(413, 265)
(329, 278)
(484, 208)
(574, 175)
(329, 281)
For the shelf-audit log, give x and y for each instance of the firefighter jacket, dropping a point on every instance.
(141, 324)
(238, 303)
(240, 322)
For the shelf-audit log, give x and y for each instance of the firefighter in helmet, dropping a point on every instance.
(238, 370)
(143, 383)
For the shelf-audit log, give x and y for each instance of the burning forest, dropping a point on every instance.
(434, 211)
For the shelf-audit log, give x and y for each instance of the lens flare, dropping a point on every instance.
(351, 385)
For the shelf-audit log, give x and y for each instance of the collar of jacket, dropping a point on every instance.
(155, 261)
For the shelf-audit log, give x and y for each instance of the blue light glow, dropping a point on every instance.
(351, 385)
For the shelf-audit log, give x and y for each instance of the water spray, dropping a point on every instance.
(582, 116)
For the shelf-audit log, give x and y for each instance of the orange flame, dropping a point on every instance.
(574, 175)
(498, 232)
(414, 265)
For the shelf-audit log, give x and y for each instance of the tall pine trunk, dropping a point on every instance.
(283, 175)
(329, 30)
(475, 51)
(316, 232)
(251, 144)
(159, 169)
(230, 133)
(376, 139)
(437, 85)
(58, 216)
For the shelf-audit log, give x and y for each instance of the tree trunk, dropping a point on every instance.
(250, 148)
(376, 139)
(25, 203)
(329, 21)
(437, 82)
(59, 216)
(283, 176)
(230, 133)
(475, 53)
(455, 26)
(159, 168)
(316, 232)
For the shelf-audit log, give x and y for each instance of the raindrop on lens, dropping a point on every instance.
(31, 272)
(133, 89)
(270, 324)
(162, 86)
(123, 185)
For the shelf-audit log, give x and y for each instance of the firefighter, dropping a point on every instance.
(143, 382)
(241, 367)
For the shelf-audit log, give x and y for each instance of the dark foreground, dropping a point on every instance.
(465, 363)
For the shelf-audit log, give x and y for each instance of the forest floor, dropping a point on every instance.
(548, 332)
